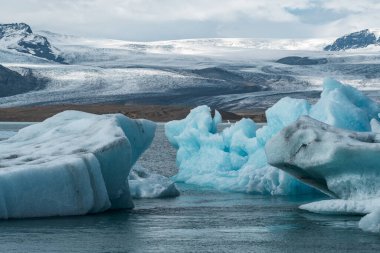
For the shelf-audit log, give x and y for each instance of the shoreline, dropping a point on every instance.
(157, 113)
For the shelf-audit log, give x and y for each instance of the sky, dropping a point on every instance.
(148, 20)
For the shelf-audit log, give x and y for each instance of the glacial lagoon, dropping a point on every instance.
(199, 220)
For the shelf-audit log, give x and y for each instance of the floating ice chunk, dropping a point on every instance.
(235, 160)
(371, 222)
(144, 184)
(369, 207)
(343, 206)
(339, 162)
(72, 163)
(232, 160)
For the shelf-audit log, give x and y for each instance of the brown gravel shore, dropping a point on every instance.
(156, 113)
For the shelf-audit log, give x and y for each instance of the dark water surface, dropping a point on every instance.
(200, 220)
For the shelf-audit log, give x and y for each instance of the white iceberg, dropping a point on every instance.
(341, 163)
(71, 164)
(235, 160)
(368, 207)
(145, 184)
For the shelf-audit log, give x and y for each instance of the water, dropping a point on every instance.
(200, 220)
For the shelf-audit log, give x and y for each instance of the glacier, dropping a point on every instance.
(234, 159)
(73, 163)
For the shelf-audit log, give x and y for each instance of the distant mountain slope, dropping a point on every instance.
(296, 60)
(20, 37)
(13, 83)
(361, 39)
(235, 74)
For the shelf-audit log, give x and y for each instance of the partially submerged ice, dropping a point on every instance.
(234, 159)
(145, 184)
(230, 160)
(71, 164)
(341, 163)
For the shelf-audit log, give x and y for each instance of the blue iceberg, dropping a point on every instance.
(234, 159)
(340, 158)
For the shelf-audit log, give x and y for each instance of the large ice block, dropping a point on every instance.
(72, 163)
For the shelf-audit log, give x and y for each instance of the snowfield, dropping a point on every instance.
(231, 74)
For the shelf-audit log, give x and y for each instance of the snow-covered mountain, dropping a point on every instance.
(361, 39)
(20, 37)
(235, 74)
(13, 83)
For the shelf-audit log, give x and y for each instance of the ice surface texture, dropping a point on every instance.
(145, 184)
(232, 160)
(341, 163)
(72, 163)
(235, 159)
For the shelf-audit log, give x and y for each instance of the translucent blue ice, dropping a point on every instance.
(235, 160)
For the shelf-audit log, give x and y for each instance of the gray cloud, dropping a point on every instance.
(176, 19)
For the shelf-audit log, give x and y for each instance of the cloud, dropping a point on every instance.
(171, 19)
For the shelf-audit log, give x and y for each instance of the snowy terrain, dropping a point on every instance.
(233, 74)
(19, 37)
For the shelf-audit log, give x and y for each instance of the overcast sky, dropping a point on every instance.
(144, 20)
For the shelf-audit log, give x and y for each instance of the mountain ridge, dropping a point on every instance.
(355, 40)
(20, 37)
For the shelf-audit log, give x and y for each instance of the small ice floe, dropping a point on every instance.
(145, 184)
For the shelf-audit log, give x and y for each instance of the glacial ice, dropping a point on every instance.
(368, 207)
(71, 164)
(145, 184)
(231, 160)
(342, 163)
(234, 159)
(339, 162)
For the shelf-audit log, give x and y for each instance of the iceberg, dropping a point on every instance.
(370, 208)
(73, 163)
(341, 163)
(234, 159)
(230, 160)
(144, 184)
